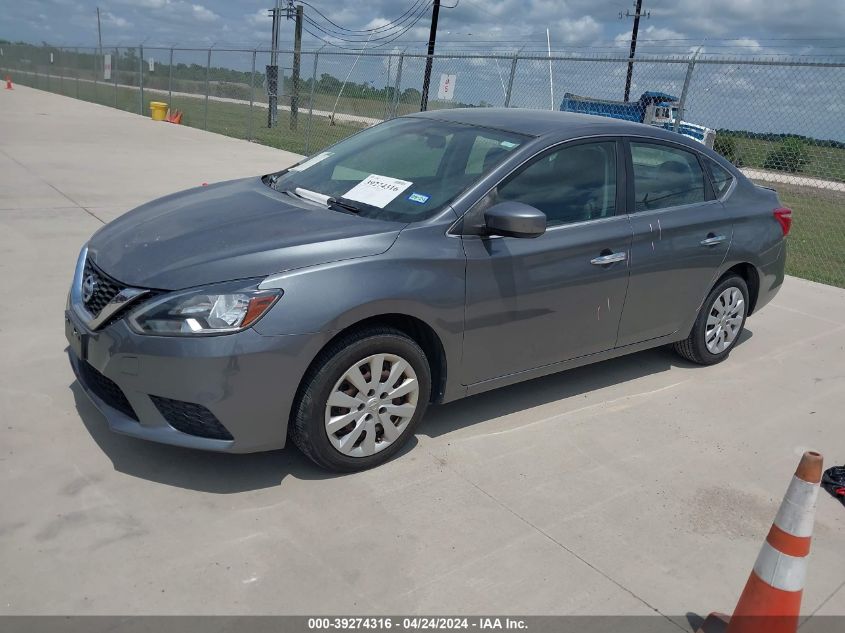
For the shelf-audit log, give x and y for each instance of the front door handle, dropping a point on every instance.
(713, 240)
(611, 258)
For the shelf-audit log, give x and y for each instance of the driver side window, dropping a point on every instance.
(573, 184)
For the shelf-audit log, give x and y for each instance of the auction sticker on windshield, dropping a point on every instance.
(377, 191)
(311, 161)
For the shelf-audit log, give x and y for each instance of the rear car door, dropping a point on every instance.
(534, 302)
(682, 234)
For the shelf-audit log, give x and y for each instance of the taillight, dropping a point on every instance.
(784, 218)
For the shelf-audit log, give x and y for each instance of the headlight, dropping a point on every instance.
(200, 312)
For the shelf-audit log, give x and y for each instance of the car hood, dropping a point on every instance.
(230, 230)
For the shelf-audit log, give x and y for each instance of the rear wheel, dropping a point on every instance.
(361, 400)
(719, 323)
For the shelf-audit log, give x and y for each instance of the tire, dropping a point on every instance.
(356, 437)
(695, 347)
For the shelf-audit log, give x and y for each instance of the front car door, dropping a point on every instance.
(682, 234)
(535, 302)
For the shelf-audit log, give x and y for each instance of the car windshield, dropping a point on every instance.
(404, 170)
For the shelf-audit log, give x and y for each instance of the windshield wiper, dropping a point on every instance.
(341, 203)
(307, 194)
(344, 204)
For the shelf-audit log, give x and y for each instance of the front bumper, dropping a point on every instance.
(248, 381)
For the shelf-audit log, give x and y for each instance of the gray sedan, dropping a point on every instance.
(429, 258)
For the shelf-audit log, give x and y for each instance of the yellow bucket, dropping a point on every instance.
(158, 110)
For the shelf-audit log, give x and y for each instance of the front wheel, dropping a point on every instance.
(361, 400)
(719, 324)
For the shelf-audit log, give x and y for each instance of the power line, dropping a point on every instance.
(346, 40)
(348, 48)
(362, 32)
(356, 48)
(407, 24)
(388, 33)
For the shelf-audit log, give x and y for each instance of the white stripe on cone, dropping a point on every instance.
(798, 508)
(780, 570)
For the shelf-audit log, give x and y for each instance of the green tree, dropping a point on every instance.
(726, 146)
(791, 155)
(411, 95)
(329, 84)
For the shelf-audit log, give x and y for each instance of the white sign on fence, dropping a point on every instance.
(152, 64)
(51, 58)
(106, 66)
(447, 87)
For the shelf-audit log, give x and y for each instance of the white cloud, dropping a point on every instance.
(376, 23)
(746, 42)
(145, 4)
(202, 14)
(259, 19)
(110, 19)
(725, 18)
(579, 31)
(652, 34)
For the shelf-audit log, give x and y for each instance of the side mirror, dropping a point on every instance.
(515, 219)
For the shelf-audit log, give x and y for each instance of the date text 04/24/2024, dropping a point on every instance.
(416, 623)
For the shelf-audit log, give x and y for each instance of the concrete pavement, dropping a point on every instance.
(640, 485)
(768, 176)
(338, 116)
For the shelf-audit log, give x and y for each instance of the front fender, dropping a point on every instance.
(422, 276)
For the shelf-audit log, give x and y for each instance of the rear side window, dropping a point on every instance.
(665, 177)
(720, 178)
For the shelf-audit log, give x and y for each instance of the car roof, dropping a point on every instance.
(548, 122)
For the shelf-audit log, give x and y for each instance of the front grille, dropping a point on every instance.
(105, 389)
(190, 418)
(105, 288)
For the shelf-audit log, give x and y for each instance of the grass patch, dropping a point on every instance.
(823, 161)
(231, 119)
(817, 239)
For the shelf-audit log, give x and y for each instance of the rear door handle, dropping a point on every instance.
(713, 240)
(604, 260)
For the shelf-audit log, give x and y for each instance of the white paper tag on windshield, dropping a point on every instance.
(311, 162)
(377, 190)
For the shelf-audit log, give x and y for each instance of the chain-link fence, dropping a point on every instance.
(782, 121)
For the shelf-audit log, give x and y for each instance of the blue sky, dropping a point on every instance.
(814, 27)
(720, 95)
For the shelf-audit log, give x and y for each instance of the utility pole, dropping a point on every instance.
(432, 37)
(99, 32)
(297, 59)
(638, 13)
(272, 71)
(97, 70)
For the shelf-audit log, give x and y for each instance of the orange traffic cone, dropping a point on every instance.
(771, 600)
(9, 85)
(177, 118)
